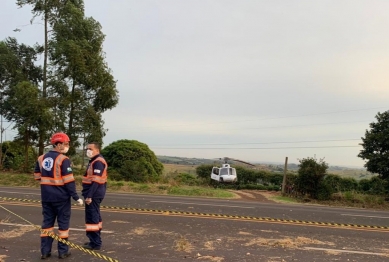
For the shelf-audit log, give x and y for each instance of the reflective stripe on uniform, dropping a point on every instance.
(51, 181)
(38, 176)
(92, 227)
(57, 166)
(99, 179)
(90, 177)
(58, 179)
(63, 233)
(50, 230)
(68, 178)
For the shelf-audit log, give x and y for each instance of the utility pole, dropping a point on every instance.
(284, 180)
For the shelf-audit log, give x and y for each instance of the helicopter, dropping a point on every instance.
(226, 173)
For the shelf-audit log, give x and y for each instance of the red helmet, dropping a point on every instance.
(59, 138)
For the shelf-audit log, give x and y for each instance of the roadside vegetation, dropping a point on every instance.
(331, 189)
(134, 168)
(178, 189)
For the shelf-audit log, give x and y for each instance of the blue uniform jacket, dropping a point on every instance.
(95, 190)
(56, 193)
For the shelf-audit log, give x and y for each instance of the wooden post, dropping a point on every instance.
(284, 180)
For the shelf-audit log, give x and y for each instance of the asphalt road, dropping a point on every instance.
(134, 235)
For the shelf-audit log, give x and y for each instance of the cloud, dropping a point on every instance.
(213, 72)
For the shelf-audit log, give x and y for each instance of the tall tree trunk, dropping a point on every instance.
(71, 116)
(26, 142)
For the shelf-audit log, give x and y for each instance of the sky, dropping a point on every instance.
(252, 80)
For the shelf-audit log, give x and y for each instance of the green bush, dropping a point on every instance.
(349, 196)
(324, 191)
(114, 175)
(311, 175)
(276, 179)
(377, 186)
(14, 157)
(187, 179)
(133, 160)
(364, 185)
(348, 184)
(204, 171)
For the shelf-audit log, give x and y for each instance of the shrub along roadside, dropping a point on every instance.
(348, 198)
(27, 180)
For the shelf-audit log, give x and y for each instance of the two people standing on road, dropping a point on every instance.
(94, 184)
(57, 184)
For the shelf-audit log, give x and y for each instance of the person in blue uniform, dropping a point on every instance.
(57, 184)
(94, 184)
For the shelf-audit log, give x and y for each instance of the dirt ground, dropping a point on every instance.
(255, 195)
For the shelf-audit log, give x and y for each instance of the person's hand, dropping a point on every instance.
(80, 202)
(88, 200)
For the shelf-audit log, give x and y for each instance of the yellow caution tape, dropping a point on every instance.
(237, 217)
(56, 237)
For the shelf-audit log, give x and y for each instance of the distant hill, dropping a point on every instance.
(184, 160)
(357, 173)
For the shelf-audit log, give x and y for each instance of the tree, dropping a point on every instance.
(310, 176)
(77, 54)
(20, 95)
(133, 160)
(47, 9)
(376, 146)
(23, 100)
(7, 69)
(76, 79)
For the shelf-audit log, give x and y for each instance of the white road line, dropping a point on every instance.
(72, 229)
(186, 203)
(345, 251)
(351, 215)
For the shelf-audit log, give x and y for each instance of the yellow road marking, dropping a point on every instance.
(221, 216)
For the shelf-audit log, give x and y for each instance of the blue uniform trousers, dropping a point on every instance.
(52, 211)
(93, 222)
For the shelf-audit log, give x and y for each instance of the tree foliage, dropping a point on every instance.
(13, 154)
(310, 176)
(82, 76)
(76, 86)
(20, 94)
(133, 160)
(376, 146)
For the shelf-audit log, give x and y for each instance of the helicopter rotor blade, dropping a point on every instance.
(244, 162)
(226, 159)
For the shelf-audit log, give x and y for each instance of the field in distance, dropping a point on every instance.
(174, 164)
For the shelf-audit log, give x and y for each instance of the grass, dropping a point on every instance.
(284, 199)
(175, 168)
(172, 187)
(183, 244)
(166, 189)
(199, 191)
(355, 199)
(10, 179)
(27, 180)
